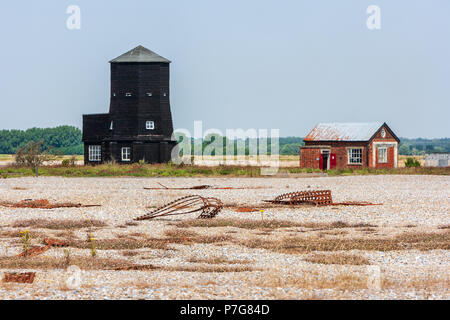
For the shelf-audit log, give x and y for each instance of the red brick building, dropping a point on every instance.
(350, 145)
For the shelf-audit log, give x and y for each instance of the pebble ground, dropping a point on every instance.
(418, 204)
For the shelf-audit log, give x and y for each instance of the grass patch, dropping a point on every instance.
(368, 229)
(408, 241)
(237, 223)
(171, 170)
(129, 253)
(409, 171)
(131, 224)
(16, 234)
(133, 170)
(130, 242)
(59, 263)
(312, 280)
(212, 268)
(58, 224)
(263, 224)
(182, 236)
(335, 232)
(121, 244)
(180, 233)
(426, 283)
(217, 260)
(337, 258)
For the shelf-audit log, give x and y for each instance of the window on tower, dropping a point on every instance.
(126, 154)
(95, 153)
(149, 125)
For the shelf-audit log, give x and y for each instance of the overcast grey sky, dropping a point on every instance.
(235, 64)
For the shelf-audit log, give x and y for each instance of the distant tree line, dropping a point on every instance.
(62, 139)
(286, 146)
(291, 145)
(67, 140)
(421, 146)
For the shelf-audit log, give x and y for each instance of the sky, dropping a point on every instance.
(258, 64)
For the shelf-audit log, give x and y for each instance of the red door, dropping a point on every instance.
(321, 162)
(332, 160)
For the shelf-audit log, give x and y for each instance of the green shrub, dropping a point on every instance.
(411, 162)
(65, 163)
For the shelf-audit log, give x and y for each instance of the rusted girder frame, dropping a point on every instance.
(316, 197)
(26, 277)
(209, 207)
(41, 249)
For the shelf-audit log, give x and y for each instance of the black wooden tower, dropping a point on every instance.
(139, 123)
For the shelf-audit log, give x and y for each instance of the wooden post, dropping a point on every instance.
(36, 165)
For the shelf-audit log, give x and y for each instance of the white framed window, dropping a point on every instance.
(128, 94)
(149, 125)
(95, 153)
(354, 155)
(126, 154)
(383, 133)
(382, 155)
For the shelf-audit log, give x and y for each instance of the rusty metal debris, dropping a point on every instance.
(34, 251)
(199, 187)
(56, 242)
(41, 249)
(316, 197)
(27, 277)
(209, 207)
(356, 203)
(43, 204)
(163, 187)
(246, 209)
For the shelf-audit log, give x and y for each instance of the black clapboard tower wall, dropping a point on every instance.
(139, 123)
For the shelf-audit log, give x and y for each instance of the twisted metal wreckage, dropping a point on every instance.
(210, 207)
(316, 197)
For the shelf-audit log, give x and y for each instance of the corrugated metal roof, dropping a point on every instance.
(338, 131)
(140, 54)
